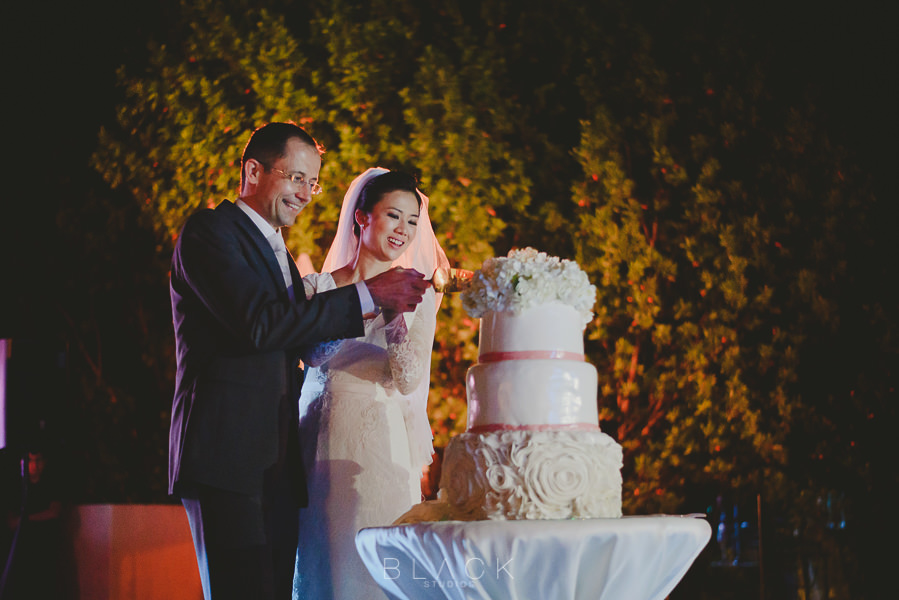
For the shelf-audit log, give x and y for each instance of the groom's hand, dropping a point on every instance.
(397, 290)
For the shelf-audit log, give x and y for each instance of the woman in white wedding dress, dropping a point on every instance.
(363, 409)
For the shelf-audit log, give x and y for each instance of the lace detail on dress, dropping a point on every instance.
(325, 351)
(406, 365)
(322, 353)
(395, 356)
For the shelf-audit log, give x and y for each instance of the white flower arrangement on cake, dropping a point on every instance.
(527, 278)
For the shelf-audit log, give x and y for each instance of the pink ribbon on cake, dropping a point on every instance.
(530, 354)
(559, 427)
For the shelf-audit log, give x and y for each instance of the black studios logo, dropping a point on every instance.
(472, 570)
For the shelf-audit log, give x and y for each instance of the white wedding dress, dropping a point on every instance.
(357, 426)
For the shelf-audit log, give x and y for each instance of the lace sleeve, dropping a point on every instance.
(317, 355)
(409, 349)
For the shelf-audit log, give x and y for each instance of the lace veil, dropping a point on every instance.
(424, 255)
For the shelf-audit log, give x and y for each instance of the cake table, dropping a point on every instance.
(633, 558)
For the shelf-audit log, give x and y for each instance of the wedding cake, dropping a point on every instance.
(533, 448)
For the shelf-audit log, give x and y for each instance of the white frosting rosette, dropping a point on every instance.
(533, 475)
(606, 498)
(462, 482)
(555, 475)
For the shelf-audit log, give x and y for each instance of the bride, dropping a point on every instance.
(363, 408)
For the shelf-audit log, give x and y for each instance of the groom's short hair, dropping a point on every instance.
(267, 144)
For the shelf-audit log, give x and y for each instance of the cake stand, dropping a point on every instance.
(633, 558)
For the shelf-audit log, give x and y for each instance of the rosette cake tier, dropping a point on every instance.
(533, 448)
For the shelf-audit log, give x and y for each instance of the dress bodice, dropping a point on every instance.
(392, 355)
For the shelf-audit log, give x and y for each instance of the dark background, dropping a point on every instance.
(60, 62)
(59, 74)
(60, 87)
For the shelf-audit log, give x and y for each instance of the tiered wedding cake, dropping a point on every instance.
(533, 448)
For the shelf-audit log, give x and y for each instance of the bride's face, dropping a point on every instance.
(390, 227)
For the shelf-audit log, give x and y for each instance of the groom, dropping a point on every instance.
(241, 316)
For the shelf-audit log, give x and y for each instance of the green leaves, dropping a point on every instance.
(726, 234)
(702, 220)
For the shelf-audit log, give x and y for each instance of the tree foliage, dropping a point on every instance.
(717, 226)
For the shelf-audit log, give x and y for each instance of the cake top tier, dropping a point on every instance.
(525, 279)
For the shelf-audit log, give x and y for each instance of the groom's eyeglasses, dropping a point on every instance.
(298, 179)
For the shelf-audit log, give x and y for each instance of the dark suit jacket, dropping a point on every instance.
(238, 338)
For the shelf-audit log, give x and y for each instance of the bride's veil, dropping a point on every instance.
(424, 255)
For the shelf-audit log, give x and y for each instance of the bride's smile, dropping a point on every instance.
(391, 225)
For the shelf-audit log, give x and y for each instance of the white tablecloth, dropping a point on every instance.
(632, 558)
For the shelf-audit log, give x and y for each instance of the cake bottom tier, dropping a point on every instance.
(531, 474)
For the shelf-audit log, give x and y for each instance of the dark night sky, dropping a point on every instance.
(59, 76)
(61, 58)
(59, 66)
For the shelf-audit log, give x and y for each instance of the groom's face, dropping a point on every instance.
(277, 198)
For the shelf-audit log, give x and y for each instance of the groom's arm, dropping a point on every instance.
(397, 290)
(217, 266)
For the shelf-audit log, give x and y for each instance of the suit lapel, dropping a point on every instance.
(245, 224)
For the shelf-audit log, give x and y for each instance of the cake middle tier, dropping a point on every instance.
(526, 394)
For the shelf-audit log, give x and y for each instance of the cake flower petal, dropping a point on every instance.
(533, 475)
(554, 476)
(465, 488)
(526, 278)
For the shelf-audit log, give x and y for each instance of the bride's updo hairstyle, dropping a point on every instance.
(377, 187)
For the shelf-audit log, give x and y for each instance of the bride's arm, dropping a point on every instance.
(409, 350)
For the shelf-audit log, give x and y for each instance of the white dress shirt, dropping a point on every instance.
(365, 299)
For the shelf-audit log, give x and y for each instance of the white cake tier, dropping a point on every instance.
(531, 393)
(532, 475)
(552, 327)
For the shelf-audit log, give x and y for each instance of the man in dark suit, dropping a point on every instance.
(241, 317)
